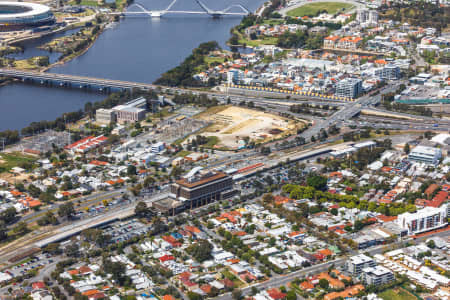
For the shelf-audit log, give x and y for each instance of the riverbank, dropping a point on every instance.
(138, 49)
(77, 54)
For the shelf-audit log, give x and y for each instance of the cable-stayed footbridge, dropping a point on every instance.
(204, 11)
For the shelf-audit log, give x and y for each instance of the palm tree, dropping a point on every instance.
(152, 239)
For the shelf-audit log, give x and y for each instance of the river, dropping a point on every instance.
(137, 49)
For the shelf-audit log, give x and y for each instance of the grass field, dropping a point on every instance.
(183, 153)
(397, 294)
(313, 8)
(11, 160)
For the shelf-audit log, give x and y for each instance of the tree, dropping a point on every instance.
(316, 181)
(52, 248)
(236, 294)
(149, 181)
(201, 250)
(194, 296)
(254, 290)
(431, 244)
(3, 231)
(48, 218)
(8, 215)
(131, 170)
(428, 135)
(406, 148)
(72, 250)
(334, 211)
(268, 198)
(291, 295)
(96, 236)
(141, 210)
(66, 210)
(21, 228)
(116, 269)
(323, 283)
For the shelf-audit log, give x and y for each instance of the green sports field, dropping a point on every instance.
(312, 9)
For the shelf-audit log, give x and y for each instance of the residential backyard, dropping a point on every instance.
(397, 294)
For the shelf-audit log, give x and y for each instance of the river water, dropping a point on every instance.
(137, 49)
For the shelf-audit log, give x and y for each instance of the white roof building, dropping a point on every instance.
(426, 219)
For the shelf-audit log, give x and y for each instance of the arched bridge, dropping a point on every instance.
(205, 10)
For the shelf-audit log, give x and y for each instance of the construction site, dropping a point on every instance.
(234, 125)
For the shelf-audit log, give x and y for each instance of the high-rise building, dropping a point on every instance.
(364, 16)
(373, 17)
(349, 87)
(234, 76)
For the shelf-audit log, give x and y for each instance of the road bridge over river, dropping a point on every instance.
(74, 81)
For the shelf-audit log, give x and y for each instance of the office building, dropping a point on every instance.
(349, 88)
(377, 275)
(424, 154)
(200, 187)
(105, 116)
(426, 219)
(389, 72)
(357, 263)
(158, 147)
(234, 76)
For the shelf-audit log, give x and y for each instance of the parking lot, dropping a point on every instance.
(30, 264)
(122, 231)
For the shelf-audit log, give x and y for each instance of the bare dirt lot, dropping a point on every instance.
(231, 125)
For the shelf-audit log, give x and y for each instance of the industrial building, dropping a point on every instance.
(105, 116)
(130, 112)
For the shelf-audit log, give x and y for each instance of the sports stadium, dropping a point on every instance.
(23, 15)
